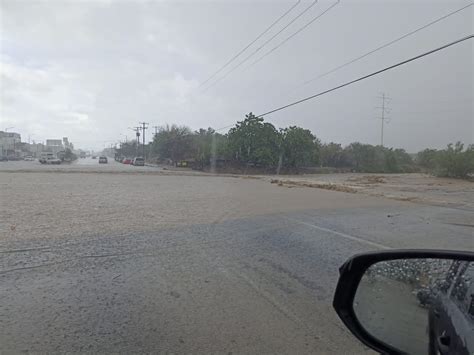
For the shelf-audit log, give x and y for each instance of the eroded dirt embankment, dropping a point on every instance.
(420, 188)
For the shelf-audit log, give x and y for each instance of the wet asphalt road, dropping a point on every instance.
(253, 284)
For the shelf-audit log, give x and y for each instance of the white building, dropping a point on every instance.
(54, 145)
(36, 149)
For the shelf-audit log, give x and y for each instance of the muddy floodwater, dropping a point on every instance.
(115, 258)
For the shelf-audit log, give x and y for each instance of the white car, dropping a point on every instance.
(138, 161)
(54, 161)
(29, 158)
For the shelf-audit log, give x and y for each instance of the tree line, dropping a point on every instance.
(256, 143)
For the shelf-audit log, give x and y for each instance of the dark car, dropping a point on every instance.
(127, 161)
(103, 160)
(3, 158)
(451, 315)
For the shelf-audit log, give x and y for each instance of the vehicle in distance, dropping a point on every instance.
(3, 158)
(54, 161)
(49, 158)
(29, 158)
(126, 161)
(94, 157)
(103, 160)
(138, 161)
(182, 164)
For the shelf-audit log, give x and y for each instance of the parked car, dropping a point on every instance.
(94, 157)
(451, 315)
(29, 158)
(127, 161)
(103, 160)
(54, 161)
(49, 158)
(138, 161)
(3, 158)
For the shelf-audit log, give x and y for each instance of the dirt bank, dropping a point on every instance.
(419, 188)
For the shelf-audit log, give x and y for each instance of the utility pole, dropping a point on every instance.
(144, 127)
(384, 110)
(156, 130)
(137, 134)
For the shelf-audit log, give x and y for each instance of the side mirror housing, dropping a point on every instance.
(409, 301)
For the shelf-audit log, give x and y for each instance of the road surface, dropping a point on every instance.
(115, 258)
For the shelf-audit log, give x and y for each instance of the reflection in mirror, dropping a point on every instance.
(419, 306)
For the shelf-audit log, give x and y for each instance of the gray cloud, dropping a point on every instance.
(89, 70)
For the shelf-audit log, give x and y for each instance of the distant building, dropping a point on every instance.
(10, 143)
(54, 142)
(54, 145)
(36, 149)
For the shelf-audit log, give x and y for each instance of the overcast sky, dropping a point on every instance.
(88, 70)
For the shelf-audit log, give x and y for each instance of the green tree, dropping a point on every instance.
(389, 157)
(208, 145)
(405, 163)
(254, 141)
(427, 158)
(127, 149)
(377, 159)
(333, 155)
(299, 147)
(365, 158)
(174, 142)
(454, 161)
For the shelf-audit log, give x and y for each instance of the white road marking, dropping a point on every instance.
(343, 235)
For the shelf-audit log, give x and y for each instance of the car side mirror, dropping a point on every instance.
(409, 301)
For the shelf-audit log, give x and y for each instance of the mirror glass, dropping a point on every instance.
(419, 306)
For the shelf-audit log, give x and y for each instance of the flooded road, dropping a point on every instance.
(116, 258)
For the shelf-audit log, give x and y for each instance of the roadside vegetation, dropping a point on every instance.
(454, 161)
(256, 144)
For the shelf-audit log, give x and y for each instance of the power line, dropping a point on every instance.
(359, 79)
(294, 34)
(386, 45)
(369, 75)
(261, 46)
(248, 45)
